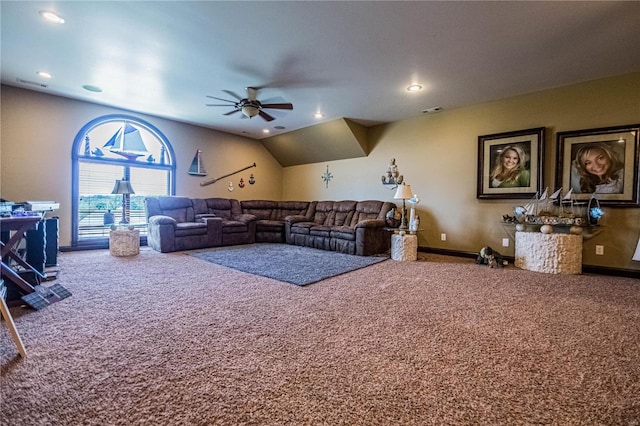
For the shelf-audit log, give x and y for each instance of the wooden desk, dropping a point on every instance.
(19, 224)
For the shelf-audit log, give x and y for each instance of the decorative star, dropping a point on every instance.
(326, 177)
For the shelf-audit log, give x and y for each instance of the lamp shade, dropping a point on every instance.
(122, 187)
(403, 192)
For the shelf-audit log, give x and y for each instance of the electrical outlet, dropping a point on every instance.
(505, 242)
(599, 250)
(443, 237)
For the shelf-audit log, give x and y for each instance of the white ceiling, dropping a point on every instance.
(345, 59)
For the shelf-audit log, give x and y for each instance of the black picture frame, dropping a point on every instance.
(619, 142)
(529, 142)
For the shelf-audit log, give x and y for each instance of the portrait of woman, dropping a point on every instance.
(597, 169)
(510, 169)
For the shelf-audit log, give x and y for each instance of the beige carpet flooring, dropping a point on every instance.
(168, 339)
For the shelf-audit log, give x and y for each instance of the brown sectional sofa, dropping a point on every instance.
(182, 223)
(354, 227)
(270, 216)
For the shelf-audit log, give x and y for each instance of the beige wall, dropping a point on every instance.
(37, 133)
(437, 154)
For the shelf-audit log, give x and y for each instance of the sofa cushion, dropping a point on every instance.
(320, 230)
(289, 208)
(190, 228)
(343, 212)
(302, 227)
(324, 213)
(226, 208)
(343, 232)
(179, 208)
(364, 210)
(180, 215)
(262, 209)
(162, 220)
(270, 225)
(233, 226)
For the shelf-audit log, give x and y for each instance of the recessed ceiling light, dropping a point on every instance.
(265, 130)
(91, 88)
(415, 87)
(44, 74)
(51, 17)
(279, 127)
(318, 115)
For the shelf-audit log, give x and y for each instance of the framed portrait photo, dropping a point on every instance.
(601, 161)
(510, 164)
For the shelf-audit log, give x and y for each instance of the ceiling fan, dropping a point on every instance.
(249, 106)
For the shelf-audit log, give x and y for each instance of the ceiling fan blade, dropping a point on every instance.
(224, 105)
(231, 112)
(266, 116)
(232, 94)
(278, 106)
(220, 99)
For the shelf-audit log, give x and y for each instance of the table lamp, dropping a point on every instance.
(403, 193)
(124, 187)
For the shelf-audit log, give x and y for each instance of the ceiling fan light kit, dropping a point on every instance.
(250, 110)
(250, 106)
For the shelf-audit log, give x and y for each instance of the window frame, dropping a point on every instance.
(77, 158)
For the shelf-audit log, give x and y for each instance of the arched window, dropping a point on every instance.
(106, 151)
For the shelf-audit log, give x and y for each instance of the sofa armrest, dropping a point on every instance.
(371, 223)
(245, 218)
(203, 217)
(296, 218)
(161, 233)
(162, 220)
(214, 229)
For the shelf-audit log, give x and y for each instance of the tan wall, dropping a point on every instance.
(38, 130)
(437, 154)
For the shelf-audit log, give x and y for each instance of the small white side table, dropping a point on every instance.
(124, 242)
(404, 247)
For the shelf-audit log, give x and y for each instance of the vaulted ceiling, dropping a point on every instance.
(345, 60)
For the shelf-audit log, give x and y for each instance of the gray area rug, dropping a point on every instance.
(284, 262)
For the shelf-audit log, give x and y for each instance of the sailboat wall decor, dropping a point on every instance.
(197, 168)
(127, 142)
(556, 209)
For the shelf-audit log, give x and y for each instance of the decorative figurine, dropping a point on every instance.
(414, 221)
(488, 256)
(109, 218)
(392, 178)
